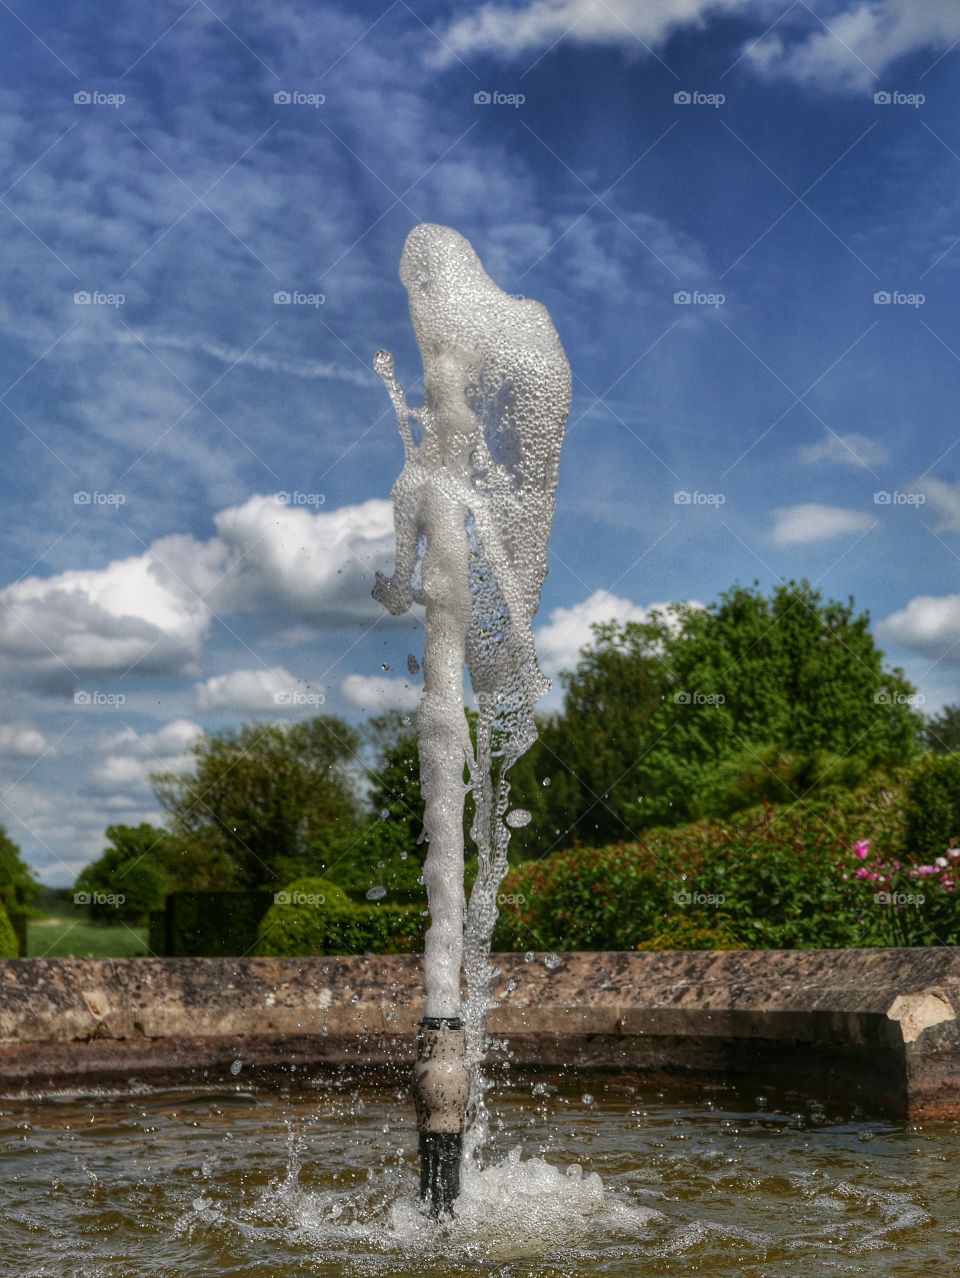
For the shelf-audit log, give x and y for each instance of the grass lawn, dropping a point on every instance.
(77, 937)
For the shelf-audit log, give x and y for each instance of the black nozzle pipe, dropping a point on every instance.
(440, 1089)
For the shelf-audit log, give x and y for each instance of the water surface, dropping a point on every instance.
(609, 1179)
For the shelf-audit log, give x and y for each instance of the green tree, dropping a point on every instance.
(129, 878)
(260, 799)
(728, 689)
(941, 732)
(9, 947)
(18, 887)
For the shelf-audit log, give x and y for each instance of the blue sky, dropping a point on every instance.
(620, 158)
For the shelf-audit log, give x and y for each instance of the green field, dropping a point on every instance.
(77, 937)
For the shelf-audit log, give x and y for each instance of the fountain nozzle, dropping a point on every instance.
(440, 1091)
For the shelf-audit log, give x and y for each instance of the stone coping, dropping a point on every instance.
(883, 1025)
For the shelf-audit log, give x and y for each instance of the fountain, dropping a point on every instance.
(473, 506)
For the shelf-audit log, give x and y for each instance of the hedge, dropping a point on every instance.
(837, 872)
(210, 924)
(309, 918)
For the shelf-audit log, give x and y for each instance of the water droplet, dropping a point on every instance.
(587, 1100)
(552, 961)
(376, 894)
(236, 1067)
(413, 665)
(529, 956)
(384, 665)
(547, 781)
(518, 818)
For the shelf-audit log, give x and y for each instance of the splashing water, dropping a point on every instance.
(473, 507)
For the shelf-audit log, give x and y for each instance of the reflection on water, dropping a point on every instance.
(626, 1181)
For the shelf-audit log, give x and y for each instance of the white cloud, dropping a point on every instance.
(570, 629)
(845, 49)
(262, 360)
(273, 689)
(129, 757)
(944, 499)
(20, 739)
(929, 624)
(496, 28)
(850, 49)
(797, 525)
(312, 567)
(153, 612)
(377, 693)
(134, 612)
(850, 449)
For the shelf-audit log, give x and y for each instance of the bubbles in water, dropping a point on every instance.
(517, 818)
(376, 893)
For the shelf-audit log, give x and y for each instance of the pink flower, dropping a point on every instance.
(862, 873)
(861, 849)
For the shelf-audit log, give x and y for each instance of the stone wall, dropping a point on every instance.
(880, 1024)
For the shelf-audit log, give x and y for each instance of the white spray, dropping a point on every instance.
(473, 507)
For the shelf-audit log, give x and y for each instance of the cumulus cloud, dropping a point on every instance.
(152, 612)
(570, 629)
(929, 624)
(128, 757)
(944, 500)
(849, 449)
(309, 566)
(244, 691)
(20, 739)
(377, 693)
(810, 521)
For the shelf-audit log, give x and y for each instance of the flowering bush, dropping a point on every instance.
(835, 872)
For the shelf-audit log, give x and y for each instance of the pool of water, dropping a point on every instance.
(591, 1176)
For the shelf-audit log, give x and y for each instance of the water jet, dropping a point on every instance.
(473, 506)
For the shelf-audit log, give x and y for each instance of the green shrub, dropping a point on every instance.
(314, 916)
(932, 807)
(9, 945)
(770, 878)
